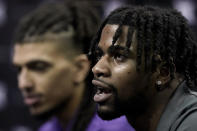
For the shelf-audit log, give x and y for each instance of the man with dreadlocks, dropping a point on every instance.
(144, 66)
(49, 53)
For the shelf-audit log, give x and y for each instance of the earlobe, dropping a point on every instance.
(163, 78)
(82, 68)
(165, 72)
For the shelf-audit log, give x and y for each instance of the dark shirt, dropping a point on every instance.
(180, 113)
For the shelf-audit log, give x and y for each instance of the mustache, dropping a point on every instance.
(108, 84)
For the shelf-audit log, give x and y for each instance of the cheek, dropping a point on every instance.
(125, 81)
(64, 80)
(56, 81)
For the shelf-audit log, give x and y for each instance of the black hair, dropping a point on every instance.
(56, 18)
(159, 31)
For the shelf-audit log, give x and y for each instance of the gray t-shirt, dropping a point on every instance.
(181, 112)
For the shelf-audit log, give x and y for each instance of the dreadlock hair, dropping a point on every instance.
(55, 19)
(163, 32)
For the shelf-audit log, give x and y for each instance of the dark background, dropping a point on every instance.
(14, 116)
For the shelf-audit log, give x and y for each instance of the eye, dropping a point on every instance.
(98, 54)
(39, 66)
(119, 57)
(118, 53)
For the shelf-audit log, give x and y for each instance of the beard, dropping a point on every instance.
(45, 115)
(113, 110)
(109, 114)
(134, 106)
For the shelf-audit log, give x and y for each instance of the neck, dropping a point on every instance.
(149, 119)
(68, 112)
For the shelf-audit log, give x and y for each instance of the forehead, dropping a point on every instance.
(35, 51)
(108, 33)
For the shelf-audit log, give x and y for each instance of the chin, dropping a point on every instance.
(44, 115)
(108, 113)
(48, 112)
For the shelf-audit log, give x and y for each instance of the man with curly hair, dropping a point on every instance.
(145, 67)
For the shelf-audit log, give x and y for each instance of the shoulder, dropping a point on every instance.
(189, 122)
(181, 108)
(187, 118)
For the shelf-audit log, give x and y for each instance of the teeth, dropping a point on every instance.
(98, 91)
(101, 90)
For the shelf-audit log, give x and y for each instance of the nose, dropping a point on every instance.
(24, 80)
(101, 68)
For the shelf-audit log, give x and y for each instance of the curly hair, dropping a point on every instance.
(55, 18)
(159, 31)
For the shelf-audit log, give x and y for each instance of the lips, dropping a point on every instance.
(31, 100)
(103, 91)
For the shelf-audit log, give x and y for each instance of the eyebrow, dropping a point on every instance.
(33, 62)
(113, 49)
(117, 49)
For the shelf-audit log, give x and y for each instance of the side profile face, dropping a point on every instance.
(120, 87)
(45, 76)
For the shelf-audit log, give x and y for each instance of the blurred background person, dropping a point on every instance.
(50, 50)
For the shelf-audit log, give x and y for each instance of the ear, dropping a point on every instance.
(163, 74)
(82, 68)
(163, 77)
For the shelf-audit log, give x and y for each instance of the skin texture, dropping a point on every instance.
(120, 72)
(46, 78)
(133, 93)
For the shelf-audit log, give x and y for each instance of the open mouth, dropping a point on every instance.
(103, 91)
